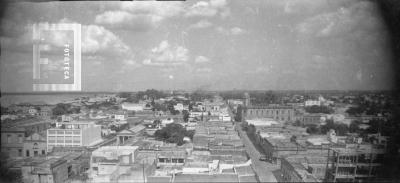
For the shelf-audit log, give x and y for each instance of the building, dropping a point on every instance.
(120, 116)
(32, 111)
(53, 169)
(133, 106)
(262, 122)
(355, 163)
(295, 170)
(279, 113)
(45, 112)
(109, 162)
(179, 107)
(312, 119)
(174, 157)
(35, 145)
(126, 134)
(12, 142)
(72, 134)
(308, 103)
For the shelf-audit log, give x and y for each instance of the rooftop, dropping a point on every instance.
(114, 151)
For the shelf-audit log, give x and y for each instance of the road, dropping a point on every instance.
(262, 168)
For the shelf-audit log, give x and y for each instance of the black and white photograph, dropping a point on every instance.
(200, 91)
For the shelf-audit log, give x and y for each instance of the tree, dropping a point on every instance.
(238, 115)
(185, 114)
(312, 129)
(173, 133)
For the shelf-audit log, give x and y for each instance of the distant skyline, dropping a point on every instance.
(210, 45)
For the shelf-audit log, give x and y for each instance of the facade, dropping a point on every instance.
(12, 142)
(279, 113)
(73, 134)
(293, 170)
(171, 158)
(35, 145)
(54, 170)
(45, 112)
(308, 103)
(312, 119)
(358, 163)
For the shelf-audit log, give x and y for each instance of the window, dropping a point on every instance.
(8, 138)
(43, 152)
(20, 138)
(27, 153)
(35, 153)
(19, 152)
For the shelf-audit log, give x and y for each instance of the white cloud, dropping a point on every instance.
(141, 15)
(201, 24)
(204, 70)
(236, 31)
(113, 17)
(208, 9)
(166, 55)
(231, 31)
(201, 59)
(356, 16)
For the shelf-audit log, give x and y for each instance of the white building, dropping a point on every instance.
(179, 107)
(262, 122)
(312, 102)
(70, 134)
(109, 162)
(133, 106)
(225, 117)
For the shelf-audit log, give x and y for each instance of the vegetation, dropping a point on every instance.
(62, 109)
(185, 114)
(173, 133)
(238, 116)
(340, 129)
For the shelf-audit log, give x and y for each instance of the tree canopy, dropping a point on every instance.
(173, 133)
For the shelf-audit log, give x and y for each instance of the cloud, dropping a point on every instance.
(231, 31)
(166, 55)
(208, 9)
(140, 16)
(201, 24)
(357, 16)
(204, 70)
(236, 31)
(201, 59)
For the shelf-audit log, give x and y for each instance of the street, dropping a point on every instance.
(262, 168)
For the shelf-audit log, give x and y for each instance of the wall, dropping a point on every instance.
(12, 143)
(91, 134)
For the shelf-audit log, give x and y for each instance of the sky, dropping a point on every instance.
(209, 44)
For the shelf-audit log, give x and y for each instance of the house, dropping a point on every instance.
(32, 111)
